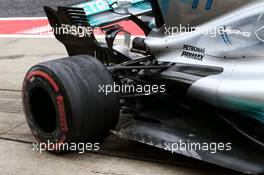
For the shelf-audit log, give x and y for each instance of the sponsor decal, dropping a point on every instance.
(98, 6)
(93, 7)
(193, 52)
(207, 7)
(260, 27)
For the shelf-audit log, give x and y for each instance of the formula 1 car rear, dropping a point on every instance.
(193, 85)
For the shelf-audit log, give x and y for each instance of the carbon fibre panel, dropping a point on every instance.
(243, 157)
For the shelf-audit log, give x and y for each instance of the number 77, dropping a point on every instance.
(207, 7)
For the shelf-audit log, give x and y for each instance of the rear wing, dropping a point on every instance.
(90, 15)
(103, 12)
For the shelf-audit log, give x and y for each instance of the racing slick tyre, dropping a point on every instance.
(63, 103)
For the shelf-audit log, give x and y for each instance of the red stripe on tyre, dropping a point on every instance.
(63, 121)
(59, 99)
(45, 76)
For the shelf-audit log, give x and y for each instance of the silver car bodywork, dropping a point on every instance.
(237, 48)
(195, 12)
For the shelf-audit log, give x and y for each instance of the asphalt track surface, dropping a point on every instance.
(29, 8)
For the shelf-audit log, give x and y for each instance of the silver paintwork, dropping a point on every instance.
(241, 85)
(176, 12)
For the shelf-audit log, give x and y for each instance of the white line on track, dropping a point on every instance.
(25, 36)
(23, 18)
(28, 35)
(51, 36)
